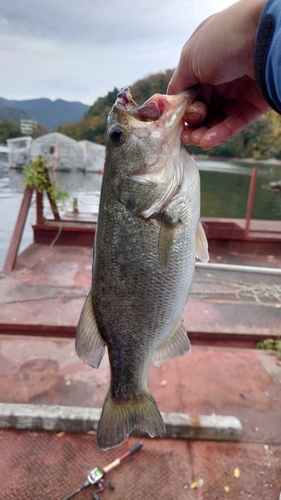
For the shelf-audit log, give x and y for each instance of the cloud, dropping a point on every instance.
(100, 21)
(80, 50)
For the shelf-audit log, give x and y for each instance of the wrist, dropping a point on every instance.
(253, 9)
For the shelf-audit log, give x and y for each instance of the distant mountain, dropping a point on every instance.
(47, 112)
(12, 114)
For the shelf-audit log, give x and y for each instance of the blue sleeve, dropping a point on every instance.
(267, 54)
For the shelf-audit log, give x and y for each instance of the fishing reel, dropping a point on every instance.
(95, 476)
(102, 486)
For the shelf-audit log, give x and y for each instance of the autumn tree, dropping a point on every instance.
(9, 130)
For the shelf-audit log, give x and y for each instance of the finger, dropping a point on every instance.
(195, 113)
(183, 76)
(193, 136)
(242, 90)
(185, 136)
(243, 116)
(181, 81)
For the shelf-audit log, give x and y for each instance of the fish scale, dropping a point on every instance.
(147, 237)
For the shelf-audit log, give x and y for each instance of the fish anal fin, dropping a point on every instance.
(201, 244)
(176, 345)
(89, 344)
(167, 234)
(120, 417)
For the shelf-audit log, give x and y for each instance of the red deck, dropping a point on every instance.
(162, 469)
(244, 383)
(44, 296)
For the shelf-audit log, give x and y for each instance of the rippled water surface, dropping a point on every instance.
(224, 192)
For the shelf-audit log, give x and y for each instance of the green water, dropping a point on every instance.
(225, 188)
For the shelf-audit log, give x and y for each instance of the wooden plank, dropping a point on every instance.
(30, 330)
(81, 236)
(39, 207)
(251, 199)
(19, 227)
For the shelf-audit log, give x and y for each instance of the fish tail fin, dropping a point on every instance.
(119, 417)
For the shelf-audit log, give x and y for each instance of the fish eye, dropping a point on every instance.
(116, 134)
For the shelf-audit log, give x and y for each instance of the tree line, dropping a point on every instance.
(261, 140)
(10, 129)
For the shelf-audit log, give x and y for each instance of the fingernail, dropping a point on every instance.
(193, 116)
(210, 140)
(196, 137)
(192, 109)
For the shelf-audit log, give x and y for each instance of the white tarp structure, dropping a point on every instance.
(94, 156)
(59, 151)
(18, 151)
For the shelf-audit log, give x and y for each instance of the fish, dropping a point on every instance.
(147, 239)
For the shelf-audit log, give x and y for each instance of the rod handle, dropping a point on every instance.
(111, 466)
(135, 448)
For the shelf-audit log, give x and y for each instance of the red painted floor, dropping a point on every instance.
(48, 466)
(45, 294)
(240, 382)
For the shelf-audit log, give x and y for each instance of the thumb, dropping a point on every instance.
(182, 79)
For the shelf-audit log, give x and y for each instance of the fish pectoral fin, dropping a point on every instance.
(178, 344)
(201, 244)
(89, 344)
(120, 416)
(167, 233)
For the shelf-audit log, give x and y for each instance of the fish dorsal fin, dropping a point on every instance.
(167, 234)
(201, 244)
(175, 346)
(89, 344)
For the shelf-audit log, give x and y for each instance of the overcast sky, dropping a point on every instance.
(79, 50)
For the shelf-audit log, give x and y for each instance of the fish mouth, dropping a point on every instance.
(157, 105)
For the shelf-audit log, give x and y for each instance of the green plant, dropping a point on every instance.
(57, 194)
(271, 346)
(36, 176)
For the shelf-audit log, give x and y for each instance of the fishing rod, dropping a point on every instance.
(95, 476)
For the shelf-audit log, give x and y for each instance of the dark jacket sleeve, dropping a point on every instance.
(267, 54)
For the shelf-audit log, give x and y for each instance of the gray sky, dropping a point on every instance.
(79, 50)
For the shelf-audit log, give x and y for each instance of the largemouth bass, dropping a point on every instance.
(147, 238)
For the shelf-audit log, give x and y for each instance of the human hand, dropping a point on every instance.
(219, 55)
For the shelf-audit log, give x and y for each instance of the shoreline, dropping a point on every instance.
(268, 161)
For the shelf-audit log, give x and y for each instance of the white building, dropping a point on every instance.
(26, 126)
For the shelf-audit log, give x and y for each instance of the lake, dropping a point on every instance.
(224, 192)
